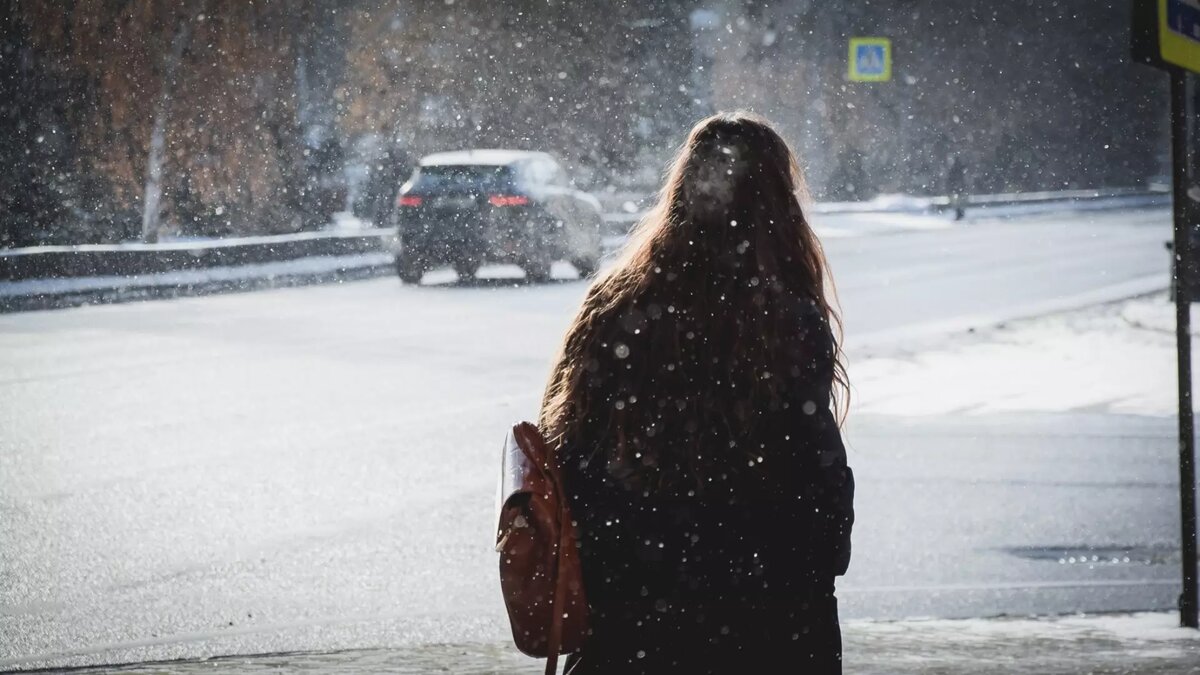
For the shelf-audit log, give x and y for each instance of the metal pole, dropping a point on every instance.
(1188, 601)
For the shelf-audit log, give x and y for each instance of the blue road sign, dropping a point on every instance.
(870, 59)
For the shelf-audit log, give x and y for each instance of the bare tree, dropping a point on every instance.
(154, 162)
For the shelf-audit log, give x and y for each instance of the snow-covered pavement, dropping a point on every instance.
(313, 266)
(1146, 643)
(1115, 358)
(839, 225)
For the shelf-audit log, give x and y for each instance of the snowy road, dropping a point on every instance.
(928, 282)
(314, 468)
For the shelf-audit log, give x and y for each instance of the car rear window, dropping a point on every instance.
(464, 176)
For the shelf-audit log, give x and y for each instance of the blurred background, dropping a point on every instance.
(269, 117)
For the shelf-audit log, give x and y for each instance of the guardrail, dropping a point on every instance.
(135, 259)
(98, 260)
(1098, 198)
(1111, 198)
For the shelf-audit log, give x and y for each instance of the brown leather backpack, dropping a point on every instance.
(540, 573)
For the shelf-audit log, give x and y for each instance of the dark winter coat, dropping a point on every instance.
(733, 582)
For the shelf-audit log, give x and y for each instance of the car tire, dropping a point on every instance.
(586, 266)
(537, 271)
(467, 268)
(410, 269)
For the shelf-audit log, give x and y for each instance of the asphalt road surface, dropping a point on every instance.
(314, 468)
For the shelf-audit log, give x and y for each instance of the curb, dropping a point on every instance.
(1158, 317)
(1140, 286)
(110, 290)
(1144, 643)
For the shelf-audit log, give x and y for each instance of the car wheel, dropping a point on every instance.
(586, 266)
(467, 267)
(410, 269)
(537, 271)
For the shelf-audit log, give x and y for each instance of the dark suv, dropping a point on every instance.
(494, 206)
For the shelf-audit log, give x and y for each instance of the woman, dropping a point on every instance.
(691, 411)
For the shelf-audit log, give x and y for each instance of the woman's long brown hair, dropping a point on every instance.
(678, 337)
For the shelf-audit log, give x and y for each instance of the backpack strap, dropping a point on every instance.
(560, 592)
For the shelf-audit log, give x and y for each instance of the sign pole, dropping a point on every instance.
(1165, 34)
(1188, 601)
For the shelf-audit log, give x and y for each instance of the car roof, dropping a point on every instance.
(488, 157)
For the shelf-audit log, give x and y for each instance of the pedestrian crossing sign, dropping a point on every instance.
(870, 59)
(1179, 33)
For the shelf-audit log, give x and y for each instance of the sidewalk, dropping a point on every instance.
(1146, 643)
(1157, 313)
(1116, 358)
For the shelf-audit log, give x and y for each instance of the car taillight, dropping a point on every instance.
(408, 200)
(508, 200)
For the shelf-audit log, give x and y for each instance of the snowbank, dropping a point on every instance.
(1157, 314)
(1117, 358)
(317, 265)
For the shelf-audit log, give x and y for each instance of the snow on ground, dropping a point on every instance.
(314, 265)
(831, 222)
(1140, 627)
(838, 225)
(1117, 358)
(1142, 643)
(1157, 314)
(347, 221)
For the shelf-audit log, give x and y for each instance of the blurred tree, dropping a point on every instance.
(168, 72)
(237, 144)
(54, 189)
(603, 86)
(222, 149)
(31, 207)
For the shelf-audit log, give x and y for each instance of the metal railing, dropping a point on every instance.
(97, 260)
(87, 260)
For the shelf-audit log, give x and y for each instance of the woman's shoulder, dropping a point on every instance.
(807, 336)
(804, 314)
